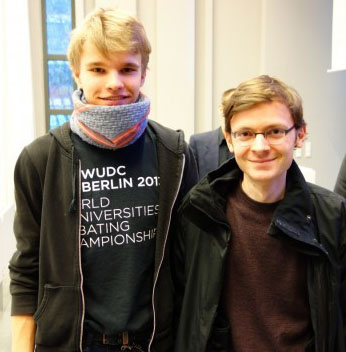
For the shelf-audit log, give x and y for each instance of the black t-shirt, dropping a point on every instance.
(119, 207)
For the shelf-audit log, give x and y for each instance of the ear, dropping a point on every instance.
(228, 138)
(301, 135)
(143, 75)
(76, 74)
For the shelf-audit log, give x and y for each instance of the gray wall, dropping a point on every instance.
(290, 40)
(301, 56)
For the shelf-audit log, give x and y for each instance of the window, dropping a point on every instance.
(338, 36)
(58, 21)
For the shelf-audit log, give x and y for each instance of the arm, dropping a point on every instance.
(193, 147)
(23, 333)
(24, 263)
(178, 268)
(343, 269)
(340, 186)
(190, 176)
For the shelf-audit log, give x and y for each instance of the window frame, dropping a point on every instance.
(53, 57)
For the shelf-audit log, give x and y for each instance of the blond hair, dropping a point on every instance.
(225, 97)
(262, 89)
(110, 30)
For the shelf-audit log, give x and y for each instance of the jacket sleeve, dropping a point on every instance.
(340, 186)
(190, 178)
(193, 146)
(24, 262)
(190, 175)
(178, 268)
(343, 271)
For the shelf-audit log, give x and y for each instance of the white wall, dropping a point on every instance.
(292, 41)
(237, 45)
(16, 117)
(301, 57)
(16, 109)
(339, 29)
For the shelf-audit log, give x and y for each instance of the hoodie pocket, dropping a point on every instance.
(57, 317)
(219, 340)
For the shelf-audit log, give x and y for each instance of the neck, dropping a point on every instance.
(264, 192)
(110, 127)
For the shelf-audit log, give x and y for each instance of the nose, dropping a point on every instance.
(114, 81)
(260, 143)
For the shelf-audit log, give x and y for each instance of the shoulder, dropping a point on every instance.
(326, 201)
(161, 130)
(321, 192)
(171, 139)
(31, 164)
(329, 217)
(38, 150)
(39, 145)
(205, 136)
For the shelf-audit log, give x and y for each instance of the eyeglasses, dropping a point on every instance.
(273, 136)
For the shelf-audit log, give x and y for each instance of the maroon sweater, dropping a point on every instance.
(265, 293)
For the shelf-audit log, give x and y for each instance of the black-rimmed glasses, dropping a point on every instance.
(272, 135)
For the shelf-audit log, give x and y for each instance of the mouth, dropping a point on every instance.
(114, 100)
(261, 161)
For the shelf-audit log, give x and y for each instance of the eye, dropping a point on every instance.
(129, 70)
(244, 135)
(97, 70)
(275, 132)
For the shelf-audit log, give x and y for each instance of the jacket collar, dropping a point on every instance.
(293, 218)
(172, 141)
(63, 135)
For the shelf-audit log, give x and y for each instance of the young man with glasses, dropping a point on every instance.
(260, 253)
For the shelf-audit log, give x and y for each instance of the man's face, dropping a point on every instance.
(261, 162)
(112, 80)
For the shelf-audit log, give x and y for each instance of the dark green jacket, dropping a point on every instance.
(310, 218)
(46, 272)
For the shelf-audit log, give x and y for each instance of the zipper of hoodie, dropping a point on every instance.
(163, 254)
(80, 256)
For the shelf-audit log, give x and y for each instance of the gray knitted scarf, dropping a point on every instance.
(109, 127)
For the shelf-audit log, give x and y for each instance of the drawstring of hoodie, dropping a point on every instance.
(73, 205)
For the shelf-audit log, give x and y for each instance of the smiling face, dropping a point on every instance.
(264, 164)
(115, 79)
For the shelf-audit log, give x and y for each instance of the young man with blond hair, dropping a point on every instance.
(260, 253)
(95, 199)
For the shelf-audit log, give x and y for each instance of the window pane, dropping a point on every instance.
(60, 84)
(59, 25)
(57, 120)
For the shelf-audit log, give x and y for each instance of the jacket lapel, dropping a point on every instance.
(209, 160)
